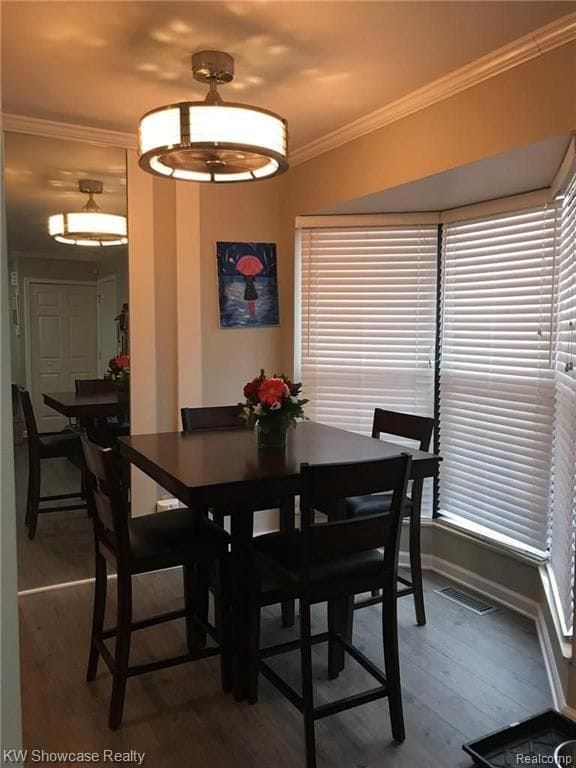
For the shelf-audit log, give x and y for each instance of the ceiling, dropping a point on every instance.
(41, 178)
(320, 64)
(511, 173)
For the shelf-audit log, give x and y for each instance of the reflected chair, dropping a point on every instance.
(42, 446)
(228, 417)
(330, 562)
(143, 544)
(94, 386)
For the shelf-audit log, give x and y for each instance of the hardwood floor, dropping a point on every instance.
(63, 548)
(463, 675)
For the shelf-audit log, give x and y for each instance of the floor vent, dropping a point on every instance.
(466, 600)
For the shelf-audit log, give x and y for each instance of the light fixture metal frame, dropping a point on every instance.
(213, 99)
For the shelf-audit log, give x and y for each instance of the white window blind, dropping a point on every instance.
(564, 454)
(367, 323)
(496, 377)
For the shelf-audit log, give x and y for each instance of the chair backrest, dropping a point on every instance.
(29, 417)
(406, 425)
(332, 482)
(216, 417)
(94, 386)
(106, 497)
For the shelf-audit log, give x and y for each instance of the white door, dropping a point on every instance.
(62, 343)
(107, 311)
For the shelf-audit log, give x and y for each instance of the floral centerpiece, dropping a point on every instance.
(119, 372)
(273, 404)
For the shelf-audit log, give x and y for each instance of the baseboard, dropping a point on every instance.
(554, 680)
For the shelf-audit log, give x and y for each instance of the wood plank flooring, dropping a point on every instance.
(63, 548)
(463, 675)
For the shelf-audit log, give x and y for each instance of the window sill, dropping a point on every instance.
(470, 532)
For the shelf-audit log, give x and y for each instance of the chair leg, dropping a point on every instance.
(226, 635)
(254, 640)
(392, 662)
(34, 484)
(336, 626)
(122, 650)
(416, 569)
(100, 589)
(288, 523)
(347, 630)
(218, 517)
(307, 683)
(196, 596)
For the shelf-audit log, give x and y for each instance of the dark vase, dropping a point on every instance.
(272, 436)
(123, 390)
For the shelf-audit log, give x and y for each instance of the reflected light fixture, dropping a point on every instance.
(90, 226)
(212, 140)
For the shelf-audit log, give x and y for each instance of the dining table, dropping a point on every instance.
(225, 467)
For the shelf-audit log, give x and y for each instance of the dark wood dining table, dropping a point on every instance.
(225, 467)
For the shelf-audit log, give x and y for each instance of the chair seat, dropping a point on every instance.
(376, 504)
(285, 550)
(59, 444)
(176, 535)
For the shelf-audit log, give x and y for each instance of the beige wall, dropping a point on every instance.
(116, 264)
(531, 102)
(232, 356)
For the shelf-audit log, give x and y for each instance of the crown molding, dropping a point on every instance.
(538, 42)
(37, 126)
(542, 40)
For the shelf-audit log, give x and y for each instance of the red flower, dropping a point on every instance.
(251, 389)
(272, 391)
(120, 362)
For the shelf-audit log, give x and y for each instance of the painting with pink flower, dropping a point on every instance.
(247, 284)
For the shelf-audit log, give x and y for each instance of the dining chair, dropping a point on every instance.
(43, 446)
(328, 562)
(94, 386)
(420, 430)
(144, 544)
(229, 417)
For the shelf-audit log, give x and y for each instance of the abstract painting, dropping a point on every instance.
(247, 285)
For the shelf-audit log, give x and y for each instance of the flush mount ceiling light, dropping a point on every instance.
(212, 140)
(89, 226)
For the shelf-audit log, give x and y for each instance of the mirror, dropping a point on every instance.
(69, 318)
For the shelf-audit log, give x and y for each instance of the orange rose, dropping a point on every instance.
(272, 391)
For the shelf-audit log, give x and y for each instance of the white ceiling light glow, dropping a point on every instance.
(90, 226)
(212, 140)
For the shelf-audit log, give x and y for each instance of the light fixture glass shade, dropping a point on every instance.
(88, 228)
(197, 141)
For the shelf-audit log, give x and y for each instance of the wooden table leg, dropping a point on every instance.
(241, 530)
(287, 523)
